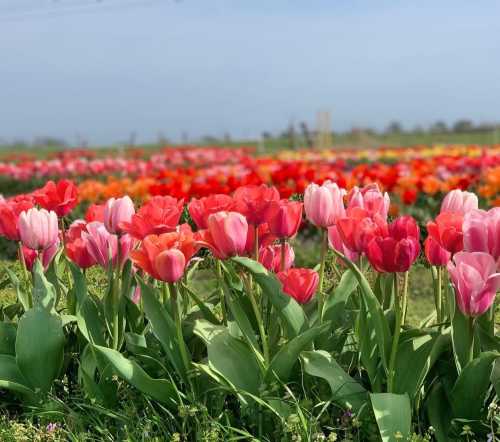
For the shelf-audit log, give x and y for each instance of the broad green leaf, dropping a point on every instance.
(288, 309)
(11, 377)
(345, 390)
(207, 330)
(44, 293)
(90, 321)
(283, 362)
(473, 382)
(334, 307)
(461, 336)
(40, 347)
(439, 412)
(163, 328)
(8, 333)
(393, 415)
(79, 282)
(207, 313)
(380, 325)
(495, 376)
(160, 389)
(415, 358)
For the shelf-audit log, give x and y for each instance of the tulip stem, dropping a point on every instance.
(116, 300)
(324, 249)
(439, 295)
(283, 254)
(470, 356)
(260, 323)
(395, 338)
(220, 282)
(25, 273)
(405, 298)
(178, 328)
(256, 243)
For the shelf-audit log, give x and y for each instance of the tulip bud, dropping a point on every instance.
(324, 204)
(38, 228)
(300, 284)
(117, 211)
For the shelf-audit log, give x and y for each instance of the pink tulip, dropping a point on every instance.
(475, 281)
(482, 232)
(336, 243)
(324, 204)
(170, 264)
(46, 255)
(38, 228)
(117, 211)
(300, 284)
(226, 235)
(458, 201)
(371, 199)
(270, 257)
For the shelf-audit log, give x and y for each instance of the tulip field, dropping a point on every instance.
(215, 294)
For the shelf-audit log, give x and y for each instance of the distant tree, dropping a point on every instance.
(439, 127)
(307, 134)
(463, 126)
(394, 127)
(418, 130)
(266, 135)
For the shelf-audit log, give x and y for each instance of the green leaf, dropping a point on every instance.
(11, 377)
(163, 328)
(8, 333)
(334, 307)
(90, 320)
(44, 294)
(393, 415)
(380, 325)
(22, 296)
(345, 390)
(283, 362)
(416, 356)
(207, 313)
(472, 383)
(439, 412)
(230, 357)
(160, 389)
(288, 309)
(461, 336)
(40, 347)
(495, 376)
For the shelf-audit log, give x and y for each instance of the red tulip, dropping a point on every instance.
(46, 255)
(336, 243)
(226, 234)
(253, 202)
(165, 256)
(265, 238)
(398, 250)
(284, 218)
(300, 284)
(446, 230)
(357, 229)
(60, 197)
(9, 216)
(270, 257)
(201, 209)
(76, 246)
(95, 212)
(435, 254)
(159, 215)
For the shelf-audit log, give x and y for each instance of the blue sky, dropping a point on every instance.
(103, 70)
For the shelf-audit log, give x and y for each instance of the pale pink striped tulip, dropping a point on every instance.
(324, 204)
(459, 201)
(475, 281)
(371, 199)
(482, 232)
(116, 212)
(38, 228)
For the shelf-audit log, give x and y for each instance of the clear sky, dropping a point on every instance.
(104, 69)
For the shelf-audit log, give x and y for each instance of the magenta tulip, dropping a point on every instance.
(475, 281)
(270, 257)
(371, 199)
(481, 231)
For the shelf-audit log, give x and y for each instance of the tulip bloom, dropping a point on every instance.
(475, 281)
(284, 218)
(482, 232)
(336, 243)
(324, 204)
(60, 198)
(103, 246)
(458, 201)
(38, 228)
(264, 238)
(446, 230)
(9, 216)
(300, 284)
(165, 256)
(76, 246)
(201, 209)
(270, 257)
(159, 215)
(253, 202)
(46, 255)
(435, 254)
(358, 228)
(226, 234)
(371, 199)
(95, 212)
(116, 212)
(397, 251)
